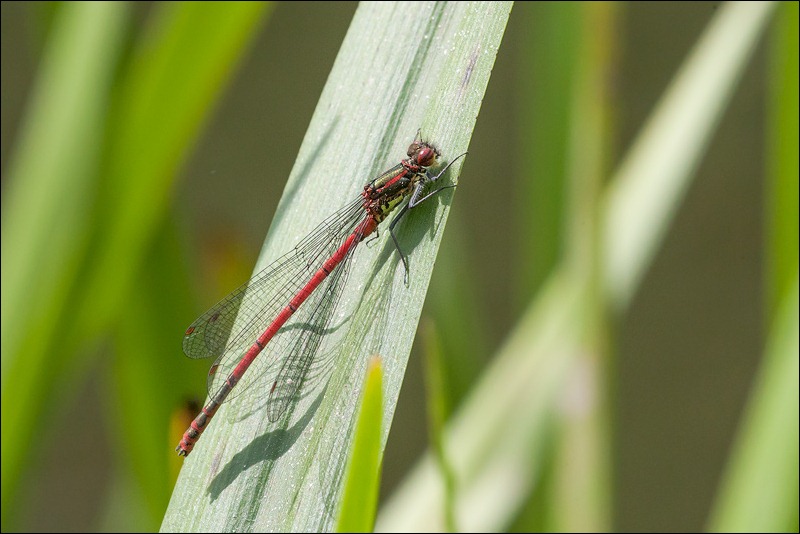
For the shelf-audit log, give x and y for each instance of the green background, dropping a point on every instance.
(685, 352)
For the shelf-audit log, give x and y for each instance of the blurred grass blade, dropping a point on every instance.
(760, 490)
(657, 170)
(581, 484)
(554, 54)
(438, 412)
(546, 72)
(453, 302)
(497, 458)
(362, 479)
(177, 72)
(51, 169)
(46, 226)
(148, 380)
(494, 441)
(65, 190)
(183, 61)
(783, 162)
(401, 67)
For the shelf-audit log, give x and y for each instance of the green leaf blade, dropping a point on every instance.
(384, 86)
(360, 496)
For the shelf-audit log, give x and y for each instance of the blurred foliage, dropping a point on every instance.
(111, 118)
(97, 281)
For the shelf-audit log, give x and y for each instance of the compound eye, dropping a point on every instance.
(426, 156)
(412, 149)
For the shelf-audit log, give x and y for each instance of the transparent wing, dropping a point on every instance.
(229, 328)
(304, 346)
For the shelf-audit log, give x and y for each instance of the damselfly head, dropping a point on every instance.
(422, 153)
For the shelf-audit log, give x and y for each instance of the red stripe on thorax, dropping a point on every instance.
(395, 179)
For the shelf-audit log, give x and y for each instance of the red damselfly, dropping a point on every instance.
(264, 316)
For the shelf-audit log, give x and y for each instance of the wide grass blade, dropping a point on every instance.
(402, 67)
